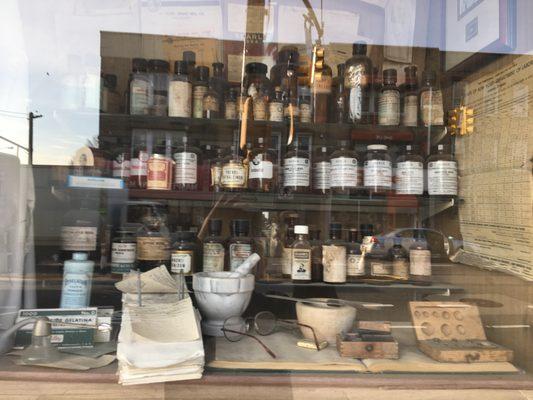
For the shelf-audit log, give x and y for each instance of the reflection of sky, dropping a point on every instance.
(51, 49)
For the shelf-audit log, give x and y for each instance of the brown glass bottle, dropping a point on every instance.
(338, 112)
(317, 270)
(186, 166)
(234, 174)
(357, 80)
(213, 248)
(343, 177)
(296, 169)
(261, 169)
(355, 266)
(240, 243)
(321, 94)
(389, 100)
(409, 97)
(322, 172)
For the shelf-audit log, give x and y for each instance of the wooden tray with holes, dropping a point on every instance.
(453, 332)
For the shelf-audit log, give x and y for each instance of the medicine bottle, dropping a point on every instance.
(334, 256)
(182, 255)
(343, 177)
(301, 255)
(141, 90)
(410, 173)
(389, 100)
(296, 169)
(180, 92)
(213, 248)
(186, 166)
(442, 173)
(240, 243)
(377, 169)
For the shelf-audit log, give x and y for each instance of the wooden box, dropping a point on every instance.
(370, 340)
(453, 332)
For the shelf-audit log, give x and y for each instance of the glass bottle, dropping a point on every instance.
(355, 264)
(199, 89)
(211, 103)
(186, 166)
(141, 90)
(286, 253)
(219, 82)
(289, 85)
(322, 172)
(409, 97)
(373, 101)
(110, 99)
(357, 80)
(159, 170)
(275, 106)
(301, 256)
(233, 174)
(153, 240)
(389, 100)
(180, 92)
(378, 261)
(410, 173)
(334, 256)
(257, 86)
(442, 173)
(287, 57)
(139, 163)
(343, 169)
(321, 94)
(189, 58)
(208, 153)
(216, 165)
(377, 169)
(339, 104)
(240, 243)
(230, 105)
(317, 270)
(431, 106)
(123, 252)
(420, 258)
(159, 71)
(400, 259)
(296, 171)
(121, 165)
(213, 248)
(304, 108)
(262, 177)
(182, 255)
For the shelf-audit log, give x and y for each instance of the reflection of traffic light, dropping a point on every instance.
(317, 63)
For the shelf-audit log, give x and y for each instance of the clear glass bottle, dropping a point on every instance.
(322, 172)
(216, 165)
(442, 173)
(141, 90)
(301, 256)
(213, 248)
(377, 169)
(183, 253)
(389, 100)
(153, 240)
(262, 174)
(317, 270)
(321, 95)
(343, 169)
(358, 80)
(230, 104)
(275, 107)
(420, 258)
(123, 252)
(410, 173)
(339, 104)
(180, 92)
(334, 256)
(240, 243)
(304, 106)
(296, 169)
(186, 166)
(159, 76)
(211, 102)
(409, 97)
(234, 175)
(355, 264)
(400, 259)
(199, 89)
(431, 106)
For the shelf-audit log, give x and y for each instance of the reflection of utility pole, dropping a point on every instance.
(31, 117)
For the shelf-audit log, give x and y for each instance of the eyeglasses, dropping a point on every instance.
(264, 323)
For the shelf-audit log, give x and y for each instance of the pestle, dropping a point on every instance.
(245, 268)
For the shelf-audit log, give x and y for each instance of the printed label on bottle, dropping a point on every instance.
(301, 264)
(123, 252)
(276, 111)
(322, 85)
(410, 110)
(153, 248)
(321, 175)
(210, 103)
(296, 172)
(216, 175)
(334, 262)
(410, 177)
(198, 101)
(344, 172)
(389, 107)
(286, 259)
(186, 168)
(420, 262)
(181, 261)
(259, 109)
(260, 169)
(400, 268)
(159, 174)
(442, 178)
(378, 268)
(233, 175)
(230, 110)
(355, 265)
(75, 291)
(238, 253)
(139, 166)
(78, 238)
(305, 113)
(213, 257)
(378, 173)
(139, 96)
(179, 99)
(431, 107)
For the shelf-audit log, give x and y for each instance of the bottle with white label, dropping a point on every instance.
(420, 258)
(182, 255)
(141, 90)
(240, 244)
(275, 107)
(186, 166)
(322, 172)
(123, 252)
(77, 281)
(442, 174)
(389, 100)
(431, 106)
(213, 248)
(409, 97)
(261, 168)
(377, 169)
(199, 89)
(343, 176)
(296, 169)
(180, 92)
(334, 256)
(355, 263)
(410, 173)
(301, 256)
